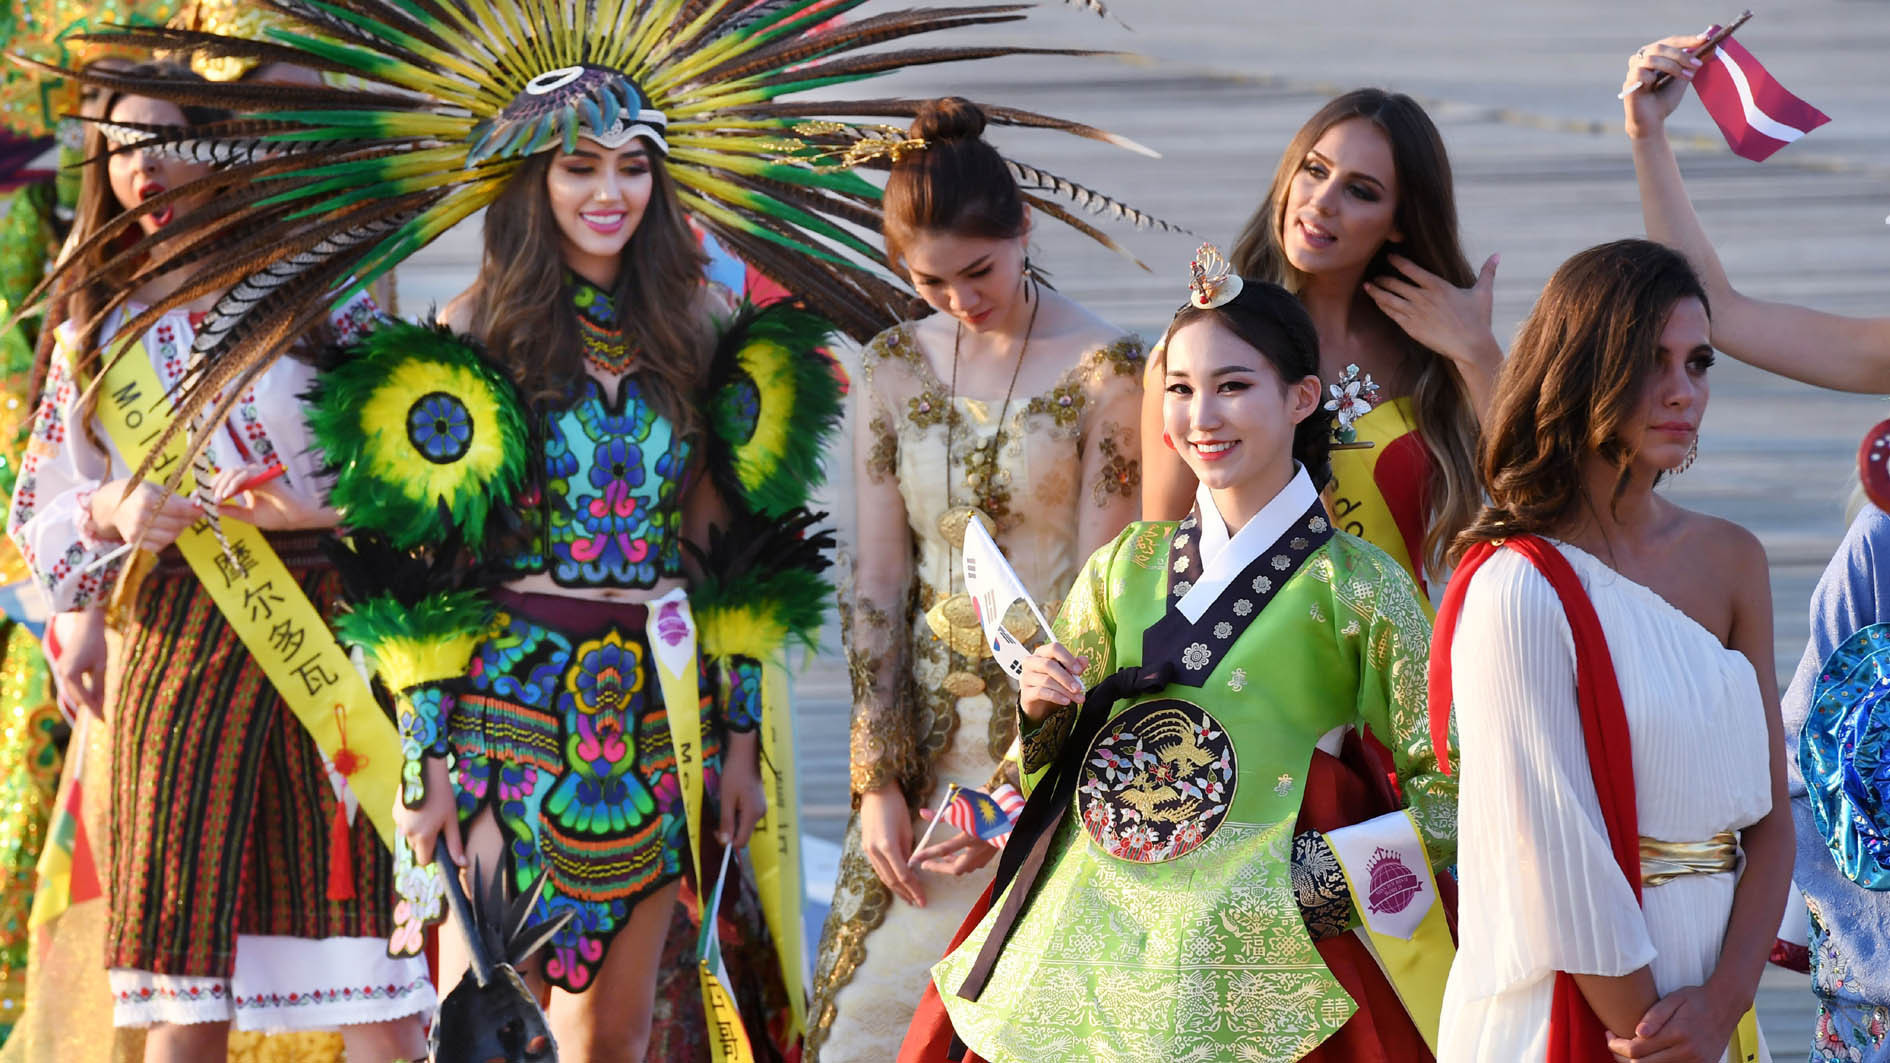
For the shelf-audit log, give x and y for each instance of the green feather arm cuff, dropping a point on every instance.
(423, 435)
(774, 406)
(418, 651)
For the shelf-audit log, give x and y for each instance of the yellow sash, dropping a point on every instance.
(266, 607)
(677, 673)
(1356, 503)
(1418, 967)
(1745, 1042)
(775, 849)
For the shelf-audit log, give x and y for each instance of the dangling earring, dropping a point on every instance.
(1693, 452)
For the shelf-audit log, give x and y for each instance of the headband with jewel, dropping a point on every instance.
(1213, 281)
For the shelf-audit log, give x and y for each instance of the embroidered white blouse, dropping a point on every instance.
(1540, 889)
(64, 464)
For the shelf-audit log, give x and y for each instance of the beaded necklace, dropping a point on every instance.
(605, 348)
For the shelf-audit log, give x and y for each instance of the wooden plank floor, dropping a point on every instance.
(1524, 95)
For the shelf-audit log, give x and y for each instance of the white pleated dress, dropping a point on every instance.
(1540, 889)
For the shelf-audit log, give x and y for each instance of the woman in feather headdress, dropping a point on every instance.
(1011, 405)
(599, 425)
(282, 899)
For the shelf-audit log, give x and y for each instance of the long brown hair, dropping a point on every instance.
(1577, 374)
(92, 285)
(97, 205)
(957, 183)
(522, 307)
(1427, 216)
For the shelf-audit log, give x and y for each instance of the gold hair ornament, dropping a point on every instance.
(1214, 282)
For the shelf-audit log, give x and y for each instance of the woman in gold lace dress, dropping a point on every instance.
(1011, 405)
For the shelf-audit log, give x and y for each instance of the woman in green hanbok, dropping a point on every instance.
(1197, 901)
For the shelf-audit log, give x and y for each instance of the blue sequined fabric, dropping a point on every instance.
(1844, 756)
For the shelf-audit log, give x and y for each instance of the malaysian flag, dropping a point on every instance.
(990, 816)
(1755, 112)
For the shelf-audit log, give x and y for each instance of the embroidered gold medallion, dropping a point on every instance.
(1157, 781)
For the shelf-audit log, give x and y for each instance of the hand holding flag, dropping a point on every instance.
(1757, 114)
(985, 821)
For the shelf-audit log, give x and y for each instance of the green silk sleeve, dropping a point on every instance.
(1086, 626)
(1392, 701)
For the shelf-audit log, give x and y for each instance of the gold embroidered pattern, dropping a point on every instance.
(1157, 781)
(881, 739)
(1377, 593)
(1063, 404)
(1121, 472)
(883, 458)
(1231, 974)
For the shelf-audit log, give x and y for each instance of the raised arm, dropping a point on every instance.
(1829, 350)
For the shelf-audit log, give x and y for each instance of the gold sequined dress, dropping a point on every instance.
(1066, 472)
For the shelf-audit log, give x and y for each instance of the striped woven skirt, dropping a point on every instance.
(561, 731)
(221, 803)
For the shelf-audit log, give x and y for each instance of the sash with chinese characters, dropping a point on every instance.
(264, 604)
(672, 636)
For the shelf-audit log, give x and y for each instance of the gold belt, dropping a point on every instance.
(1665, 861)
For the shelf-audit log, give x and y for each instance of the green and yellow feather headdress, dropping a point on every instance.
(322, 189)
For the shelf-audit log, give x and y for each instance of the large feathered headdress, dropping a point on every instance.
(431, 105)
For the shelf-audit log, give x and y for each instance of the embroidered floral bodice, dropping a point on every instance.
(605, 507)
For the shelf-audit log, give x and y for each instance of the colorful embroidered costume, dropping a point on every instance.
(205, 755)
(1833, 743)
(553, 707)
(1067, 455)
(443, 103)
(1170, 917)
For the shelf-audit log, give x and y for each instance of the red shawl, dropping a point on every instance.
(1575, 1034)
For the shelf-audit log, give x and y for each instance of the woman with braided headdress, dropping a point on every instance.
(634, 481)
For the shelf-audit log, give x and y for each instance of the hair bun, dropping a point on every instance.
(948, 118)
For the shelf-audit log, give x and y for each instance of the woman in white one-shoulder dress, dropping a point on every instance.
(1602, 396)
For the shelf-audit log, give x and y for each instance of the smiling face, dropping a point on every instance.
(1674, 399)
(138, 175)
(1342, 204)
(598, 196)
(1230, 415)
(977, 280)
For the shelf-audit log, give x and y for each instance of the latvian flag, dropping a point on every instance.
(988, 816)
(1755, 112)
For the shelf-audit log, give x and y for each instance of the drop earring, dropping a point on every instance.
(1693, 452)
